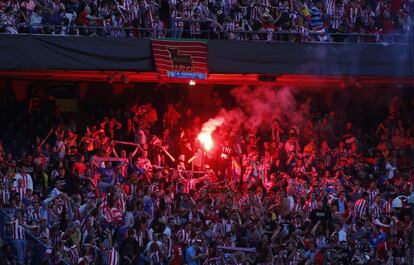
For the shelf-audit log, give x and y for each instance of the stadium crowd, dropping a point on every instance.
(113, 192)
(294, 20)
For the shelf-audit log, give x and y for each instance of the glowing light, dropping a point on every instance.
(192, 83)
(206, 140)
(204, 137)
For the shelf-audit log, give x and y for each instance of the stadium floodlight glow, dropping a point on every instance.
(192, 83)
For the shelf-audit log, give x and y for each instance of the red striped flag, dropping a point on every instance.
(180, 59)
(110, 215)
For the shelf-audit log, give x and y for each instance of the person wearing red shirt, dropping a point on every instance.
(86, 19)
(177, 256)
(388, 23)
(79, 167)
(320, 257)
(387, 245)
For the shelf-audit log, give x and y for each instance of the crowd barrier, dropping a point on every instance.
(205, 32)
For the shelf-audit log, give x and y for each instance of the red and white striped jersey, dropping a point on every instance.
(110, 214)
(134, 11)
(34, 215)
(360, 208)
(352, 13)
(183, 236)
(27, 182)
(152, 10)
(4, 197)
(297, 207)
(17, 229)
(187, 9)
(241, 202)
(155, 258)
(44, 235)
(113, 258)
(310, 205)
(255, 13)
(168, 245)
(371, 195)
(22, 192)
(330, 7)
(225, 226)
(336, 16)
(121, 204)
(295, 258)
(375, 210)
(139, 237)
(73, 254)
(387, 207)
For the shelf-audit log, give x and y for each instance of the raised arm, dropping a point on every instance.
(168, 154)
(135, 151)
(46, 137)
(315, 227)
(191, 159)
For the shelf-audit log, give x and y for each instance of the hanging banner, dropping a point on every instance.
(180, 59)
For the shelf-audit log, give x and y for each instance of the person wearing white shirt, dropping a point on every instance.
(154, 240)
(167, 229)
(56, 191)
(342, 234)
(36, 19)
(390, 168)
(26, 180)
(129, 219)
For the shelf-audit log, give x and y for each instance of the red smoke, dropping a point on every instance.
(256, 108)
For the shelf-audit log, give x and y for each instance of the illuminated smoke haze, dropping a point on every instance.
(256, 108)
(208, 128)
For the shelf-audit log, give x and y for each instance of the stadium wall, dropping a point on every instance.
(35, 52)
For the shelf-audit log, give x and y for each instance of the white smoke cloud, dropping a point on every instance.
(264, 103)
(208, 128)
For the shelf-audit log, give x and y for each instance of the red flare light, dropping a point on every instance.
(206, 140)
(204, 137)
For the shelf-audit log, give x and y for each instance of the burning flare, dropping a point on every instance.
(206, 140)
(204, 137)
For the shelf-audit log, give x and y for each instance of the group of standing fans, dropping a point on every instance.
(294, 20)
(114, 192)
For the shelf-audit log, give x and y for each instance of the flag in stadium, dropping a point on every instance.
(180, 59)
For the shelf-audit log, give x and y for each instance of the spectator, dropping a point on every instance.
(36, 20)
(86, 19)
(191, 257)
(8, 21)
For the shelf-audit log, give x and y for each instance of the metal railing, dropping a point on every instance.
(35, 249)
(203, 32)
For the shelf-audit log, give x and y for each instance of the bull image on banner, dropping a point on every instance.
(180, 59)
